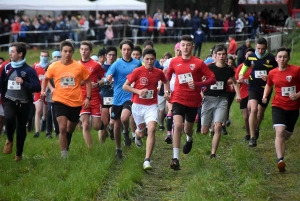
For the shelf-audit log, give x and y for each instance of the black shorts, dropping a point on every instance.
(287, 118)
(72, 113)
(258, 96)
(188, 113)
(106, 106)
(244, 103)
(116, 110)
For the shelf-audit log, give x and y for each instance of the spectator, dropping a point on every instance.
(161, 27)
(43, 36)
(199, 38)
(232, 46)
(136, 22)
(195, 22)
(117, 29)
(290, 23)
(150, 26)
(170, 29)
(109, 35)
(74, 25)
(239, 26)
(22, 36)
(144, 26)
(15, 29)
(188, 25)
(158, 14)
(210, 21)
(241, 52)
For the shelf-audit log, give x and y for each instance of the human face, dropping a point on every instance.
(101, 59)
(282, 59)
(66, 53)
(230, 62)
(221, 56)
(126, 51)
(261, 49)
(85, 52)
(186, 48)
(44, 54)
(111, 57)
(136, 54)
(149, 60)
(14, 55)
(177, 52)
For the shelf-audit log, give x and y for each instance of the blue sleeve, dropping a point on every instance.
(157, 64)
(111, 70)
(34, 83)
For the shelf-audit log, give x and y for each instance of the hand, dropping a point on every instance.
(241, 78)
(52, 90)
(109, 78)
(191, 85)
(158, 88)
(94, 85)
(143, 92)
(19, 80)
(264, 100)
(86, 103)
(238, 99)
(264, 77)
(167, 95)
(294, 96)
(43, 94)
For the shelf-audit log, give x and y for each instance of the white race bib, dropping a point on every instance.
(108, 100)
(259, 73)
(13, 85)
(218, 86)
(286, 91)
(149, 94)
(185, 78)
(41, 77)
(67, 81)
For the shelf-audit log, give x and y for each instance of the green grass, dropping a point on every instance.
(239, 172)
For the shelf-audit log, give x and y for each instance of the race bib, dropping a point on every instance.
(67, 81)
(41, 77)
(148, 95)
(184, 78)
(246, 81)
(108, 100)
(13, 85)
(218, 86)
(287, 91)
(259, 73)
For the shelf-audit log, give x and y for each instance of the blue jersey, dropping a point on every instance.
(119, 70)
(107, 89)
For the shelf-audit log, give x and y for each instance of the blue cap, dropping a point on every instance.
(56, 53)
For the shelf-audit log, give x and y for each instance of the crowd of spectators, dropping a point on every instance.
(161, 27)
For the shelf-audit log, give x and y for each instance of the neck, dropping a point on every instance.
(220, 64)
(85, 59)
(126, 59)
(66, 61)
(186, 57)
(282, 68)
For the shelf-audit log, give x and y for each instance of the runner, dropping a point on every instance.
(136, 52)
(189, 71)
(144, 98)
(244, 93)
(262, 62)
(94, 111)
(39, 102)
(18, 81)
(67, 96)
(285, 104)
(121, 109)
(107, 93)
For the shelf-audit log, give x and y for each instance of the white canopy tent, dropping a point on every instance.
(75, 5)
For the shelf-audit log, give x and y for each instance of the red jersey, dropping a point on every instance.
(286, 82)
(230, 87)
(40, 71)
(1, 68)
(243, 86)
(183, 69)
(96, 73)
(146, 79)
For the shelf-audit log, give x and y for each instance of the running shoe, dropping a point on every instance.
(252, 142)
(49, 136)
(36, 135)
(119, 154)
(161, 128)
(175, 164)
(224, 131)
(228, 123)
(281, 166)
(8, 147)
(247, 137)
(147, 165)
(138, 142)
(168, 139)
(212, 156)
(127, 139)
(43, 126)
(187, 147)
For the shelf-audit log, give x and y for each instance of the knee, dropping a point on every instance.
(204, 130)
(218, 126)
(85, 124)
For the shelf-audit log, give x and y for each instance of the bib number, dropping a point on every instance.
(13, 85)
(287, 91)
(218, 86)
(108, 100)
(185, 78)
(148, 95)
(259, 73)
(67, 81)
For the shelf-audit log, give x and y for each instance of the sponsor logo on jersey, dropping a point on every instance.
(289, 78)
(192, 66)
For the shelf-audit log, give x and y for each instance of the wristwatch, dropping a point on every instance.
(88, 97)
(168, 92)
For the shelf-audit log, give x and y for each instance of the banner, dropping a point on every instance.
(243, 2)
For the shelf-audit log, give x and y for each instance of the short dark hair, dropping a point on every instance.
(111, 48)
(250, 50)
(262, 41)
(101, 52)
(21, 48)
(127, 42)
(284, 49)
(87, 43)
(45, 51)
(149, 51)
(148, 42)
(168, 54)
(137, 48)
(186, 38)
(66, 43)
(1, 58)
(219, 48)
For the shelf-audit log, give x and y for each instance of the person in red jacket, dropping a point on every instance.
(232, 46)
(150, 25)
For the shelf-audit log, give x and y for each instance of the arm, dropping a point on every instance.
(44, 86)
(267, 91)
(237, 89)
(86, 103)
(242, 72)
(128, 88)
(34, 83)
(167, 90)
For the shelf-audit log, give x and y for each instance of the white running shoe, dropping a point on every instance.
(147, 165)
(138, 142)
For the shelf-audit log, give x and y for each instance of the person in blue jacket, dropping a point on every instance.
(17, 83)
(199, 38)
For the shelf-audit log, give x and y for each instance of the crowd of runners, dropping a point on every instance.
(135, 92)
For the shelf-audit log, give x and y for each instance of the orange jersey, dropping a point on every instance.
(96, 72)
(40, 71)
(67, 81)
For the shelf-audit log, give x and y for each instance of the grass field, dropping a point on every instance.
(238, 173)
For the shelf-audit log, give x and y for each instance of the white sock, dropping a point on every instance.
(64, 153)
(176, 153)
(188, 138)
(133, 134)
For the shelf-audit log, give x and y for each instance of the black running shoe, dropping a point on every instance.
(212, 156)
(224, 131)
(252, 142)
(168, 139)
(175, 164)
(257, 134)
(228, 122)
(36, 135)
(187, 147)
(247, 137)
(43, 126)
(119, 154)
(161, 128)
(127, 139)
(49, 136)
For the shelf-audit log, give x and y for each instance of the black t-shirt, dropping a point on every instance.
(259, 67)
(222, 75)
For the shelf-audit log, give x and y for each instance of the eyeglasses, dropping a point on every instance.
(111, 55)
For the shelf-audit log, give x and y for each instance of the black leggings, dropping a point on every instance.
(15, 119)
(51, 119)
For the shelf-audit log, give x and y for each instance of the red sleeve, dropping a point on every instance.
(132, 76)
(100, 71)
(170, 71)
(237, 72)
(269, 80)
(162, 77)
(210, 76)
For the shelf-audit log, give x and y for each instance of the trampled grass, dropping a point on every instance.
(238, 173)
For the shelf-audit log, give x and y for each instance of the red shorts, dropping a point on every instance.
(37, 97)
(95, 105)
